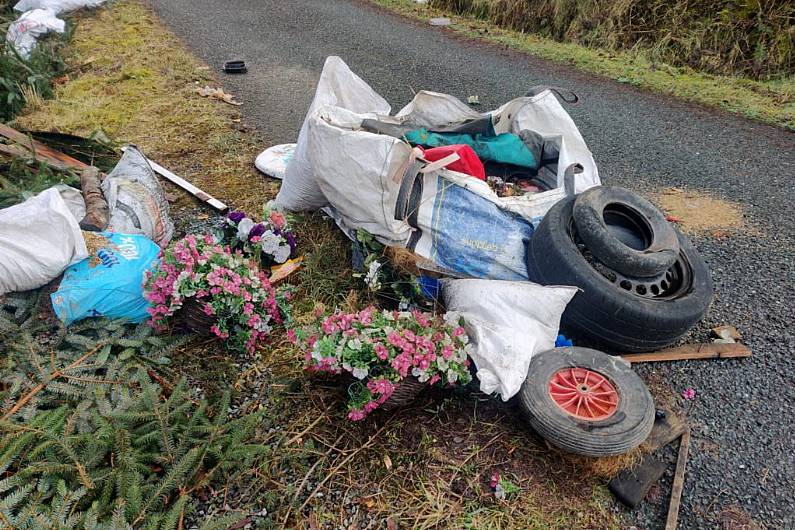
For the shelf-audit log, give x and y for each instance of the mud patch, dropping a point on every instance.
(697, 212)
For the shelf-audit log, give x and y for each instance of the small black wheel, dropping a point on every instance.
(625, 231)
(615, 312)
(586, 402)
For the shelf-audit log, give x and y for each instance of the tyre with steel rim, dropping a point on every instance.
(586, 402)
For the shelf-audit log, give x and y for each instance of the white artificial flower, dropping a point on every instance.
(243, 228)
(360, 373)
(347, 366)
(441, 362)
(282, 253)
(452, 376)
(371, 279)
(355, 344)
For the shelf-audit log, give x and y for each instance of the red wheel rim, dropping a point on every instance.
(583, 393)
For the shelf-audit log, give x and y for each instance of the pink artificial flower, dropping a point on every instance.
(381, 351)
(689, 394)
(356, 415)
(208, 309)
(277, 220)
(435, 379)
(292, 337)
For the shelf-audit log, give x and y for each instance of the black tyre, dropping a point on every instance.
(613, 311)
(586, 402)
(625, 231)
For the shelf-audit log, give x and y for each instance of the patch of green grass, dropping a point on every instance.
(770, 102)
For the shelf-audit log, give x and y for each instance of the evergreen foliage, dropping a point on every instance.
(90, 440)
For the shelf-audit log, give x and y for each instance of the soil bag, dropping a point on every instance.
(136, 200)
(109, 283)
(508, 323)
(24, 32)
(39, 238)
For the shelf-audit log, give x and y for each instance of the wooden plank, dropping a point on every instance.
(187, 186)
(40, 151)
(679, 482)
(692, 351)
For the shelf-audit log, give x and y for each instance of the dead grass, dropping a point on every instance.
(698, 212)
(131, 78)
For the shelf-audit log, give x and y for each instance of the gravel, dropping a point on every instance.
(742, 453)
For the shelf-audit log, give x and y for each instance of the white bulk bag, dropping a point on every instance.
(508, 323)
(39, 238)
(340, 87)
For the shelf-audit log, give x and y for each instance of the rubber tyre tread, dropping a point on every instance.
(588, 214)
(602, 312)
(626, 429)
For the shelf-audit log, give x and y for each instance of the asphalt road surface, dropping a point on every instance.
(742, 454)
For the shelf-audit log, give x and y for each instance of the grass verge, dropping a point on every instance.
(771, 102)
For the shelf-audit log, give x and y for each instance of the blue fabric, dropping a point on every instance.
(506, 148)
(109, 284)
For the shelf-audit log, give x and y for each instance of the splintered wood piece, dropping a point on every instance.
(41, 152)
(692, 351)
(679, 483)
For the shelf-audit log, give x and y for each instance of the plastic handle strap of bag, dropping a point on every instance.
(536, 90)
(568, 178)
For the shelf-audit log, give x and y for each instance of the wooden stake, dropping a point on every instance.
(187, 186)
(692, 351)
(679, 482)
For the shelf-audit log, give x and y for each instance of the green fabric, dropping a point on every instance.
(507, 148)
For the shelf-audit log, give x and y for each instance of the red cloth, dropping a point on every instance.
(469, 162)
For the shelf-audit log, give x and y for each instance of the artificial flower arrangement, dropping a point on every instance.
(382, 350)
(228, 286)
(382, 277)
(271, 241)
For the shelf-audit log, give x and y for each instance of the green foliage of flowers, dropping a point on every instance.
(382, 348)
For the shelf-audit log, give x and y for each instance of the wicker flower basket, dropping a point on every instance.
(406, 392)
(194, 318)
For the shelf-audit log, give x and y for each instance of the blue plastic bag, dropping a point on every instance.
(109, 283)
(471, 235)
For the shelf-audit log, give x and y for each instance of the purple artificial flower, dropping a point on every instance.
(236, 217)
(257, 230)
(290, 237)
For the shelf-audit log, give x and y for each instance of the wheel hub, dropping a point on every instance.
(583, 393)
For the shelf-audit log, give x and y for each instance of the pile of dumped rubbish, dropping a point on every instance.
(507, 226)
(484, 234)
(38, 18)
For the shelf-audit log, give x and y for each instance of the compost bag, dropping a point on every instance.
(109, 283)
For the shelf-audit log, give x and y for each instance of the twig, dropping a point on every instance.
(300, 434)
(306, 477)
(38, 388)
(345, 460)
